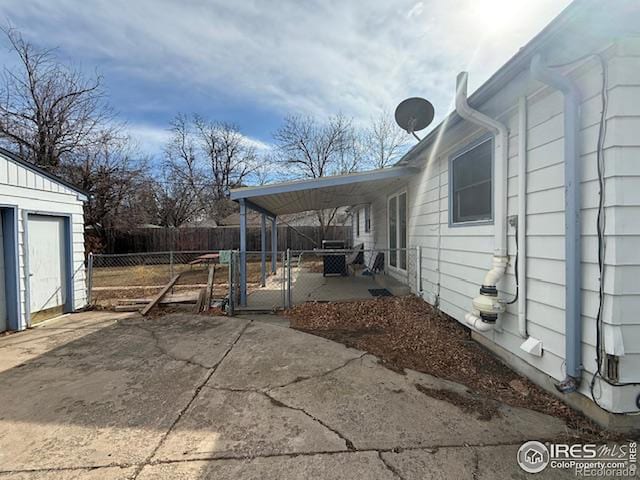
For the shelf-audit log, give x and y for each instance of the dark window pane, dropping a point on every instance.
(471, 184)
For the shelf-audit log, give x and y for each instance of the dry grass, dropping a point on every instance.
(143, 281)
(406, 332)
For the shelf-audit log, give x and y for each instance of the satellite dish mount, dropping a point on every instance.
(414, 114)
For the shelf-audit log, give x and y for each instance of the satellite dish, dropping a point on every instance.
(414, 114)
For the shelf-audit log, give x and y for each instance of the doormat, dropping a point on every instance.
(380, 292)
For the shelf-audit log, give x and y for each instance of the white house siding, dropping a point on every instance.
(455, 259)
(31, 191)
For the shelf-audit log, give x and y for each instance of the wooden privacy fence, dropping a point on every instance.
(219, 238)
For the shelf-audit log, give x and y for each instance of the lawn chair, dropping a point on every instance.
(378, 264)
(356, 257)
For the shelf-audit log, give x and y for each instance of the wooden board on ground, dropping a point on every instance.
(200, 302)
(188, 297)
(160, 294)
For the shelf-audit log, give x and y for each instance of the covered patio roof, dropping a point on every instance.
(323, 192)
(304, 195)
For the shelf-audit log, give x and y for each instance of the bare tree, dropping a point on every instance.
(312, 150)
(229, 158)
(384, 141)
(210, 158)
(48, 110)
(113, 174)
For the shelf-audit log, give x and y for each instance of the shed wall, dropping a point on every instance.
(33, 192)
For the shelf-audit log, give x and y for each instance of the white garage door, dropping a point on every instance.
(3, 296)
(47, 292)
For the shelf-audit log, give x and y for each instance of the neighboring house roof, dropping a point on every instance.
(590, 20)
(12, 156)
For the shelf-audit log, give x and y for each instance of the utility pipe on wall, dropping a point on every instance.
(487, 306)
(572, 238)
(522, 216)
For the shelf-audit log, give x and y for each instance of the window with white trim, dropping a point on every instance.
(397, 219)
(470, 179)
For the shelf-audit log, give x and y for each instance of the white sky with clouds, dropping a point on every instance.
(253, 62)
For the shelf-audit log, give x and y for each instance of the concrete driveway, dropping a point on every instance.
(106, 396)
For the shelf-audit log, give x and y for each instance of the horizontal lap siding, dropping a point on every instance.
(32, 191)
(455, 259)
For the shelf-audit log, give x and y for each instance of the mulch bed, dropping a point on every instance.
(406, 332)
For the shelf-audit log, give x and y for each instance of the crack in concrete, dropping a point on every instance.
(157, 344)
(244, 458)
(278, 403)
(476, 465)
(430, 449)
(389, 467)
(319, 375)
(196, 392)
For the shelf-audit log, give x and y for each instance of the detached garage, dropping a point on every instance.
(42, 272)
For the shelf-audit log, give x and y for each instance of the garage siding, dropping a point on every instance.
(33, 192)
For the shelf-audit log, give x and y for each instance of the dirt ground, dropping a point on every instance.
(405, 332)
(115, 283)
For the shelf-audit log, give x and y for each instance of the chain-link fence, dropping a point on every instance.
(324, 275)
(119, 279)
(289, 278)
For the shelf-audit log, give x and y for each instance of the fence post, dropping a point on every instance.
(89, 277)
(231, 272)
(171, 266)
(288, 277)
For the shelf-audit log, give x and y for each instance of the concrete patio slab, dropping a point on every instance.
(267, 356)
(222, 423)
(100, 395)
(340, 466)
(378, 408)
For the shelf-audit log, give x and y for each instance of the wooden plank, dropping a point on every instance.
(200, 301)
(161, 294)
(210, 278)
(127, 308)
(190, 297)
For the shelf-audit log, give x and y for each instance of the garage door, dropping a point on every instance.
(3, 295)
(47, 292)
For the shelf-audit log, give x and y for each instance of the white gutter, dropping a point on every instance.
(487, 306)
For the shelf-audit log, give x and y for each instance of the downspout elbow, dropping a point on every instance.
(474, 116)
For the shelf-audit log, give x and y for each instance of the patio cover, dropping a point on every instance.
(323, 192)
(305, 195)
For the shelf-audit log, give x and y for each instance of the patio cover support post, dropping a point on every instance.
(274, 245)
(263, 249)
(243, 253)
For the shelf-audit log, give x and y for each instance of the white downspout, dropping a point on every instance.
(487, 306)
(522, 216)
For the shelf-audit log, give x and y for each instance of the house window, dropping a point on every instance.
(470, 178)
(358, 223)
(398, 231)
(367, 219)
